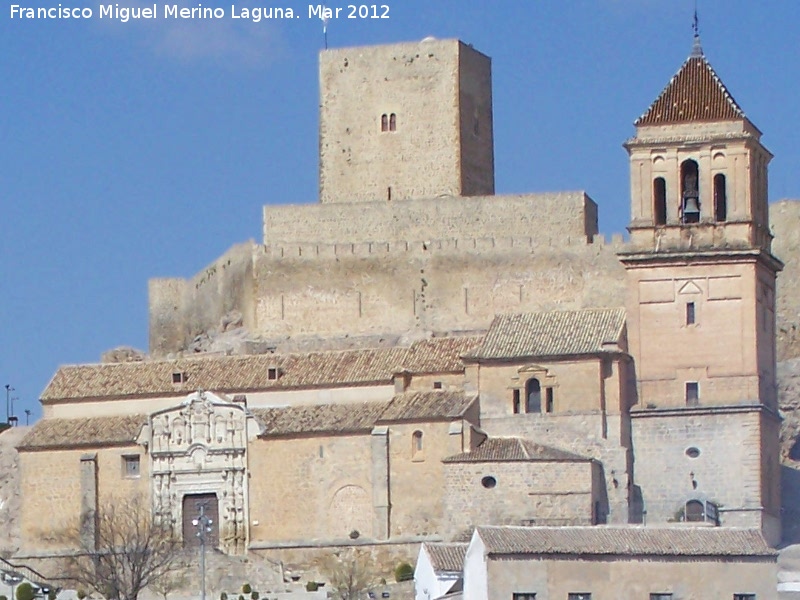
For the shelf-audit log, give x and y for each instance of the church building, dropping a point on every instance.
(414, 356)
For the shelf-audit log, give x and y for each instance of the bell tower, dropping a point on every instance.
(701, 306)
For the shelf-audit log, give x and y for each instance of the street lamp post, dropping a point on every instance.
(12, 579)
(9, 389)
(204, 526)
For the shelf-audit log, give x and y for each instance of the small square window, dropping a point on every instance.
(579, 596)
(691, 316)
(272, 373)
(744, 597)
(130, 466)
(178, 377)
(661, 596)
(524, 596)
(692, 393)
(437, 385)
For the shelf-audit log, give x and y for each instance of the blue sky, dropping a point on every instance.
(146, 149)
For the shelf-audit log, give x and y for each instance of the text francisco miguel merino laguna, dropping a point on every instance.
(175, 11)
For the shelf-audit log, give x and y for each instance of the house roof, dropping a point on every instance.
(86, 432)
(448, 558)
(321, 418)
(514, 449)
(625, 541)
(555, 333)
(351, 418)
(435, 404)
(695, 93)
(250, 373)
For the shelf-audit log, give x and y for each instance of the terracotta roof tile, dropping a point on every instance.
(446, 557)
(250, 373)
(514, 449)
(94, 431)
(555, 333)
(695, 93)
(322, 418)
(626, 541)
(359, 417)
(435, 404)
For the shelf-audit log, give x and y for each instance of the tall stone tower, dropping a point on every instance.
(405, 121)
(701, 280)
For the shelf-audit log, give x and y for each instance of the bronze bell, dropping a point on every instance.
(691, 207)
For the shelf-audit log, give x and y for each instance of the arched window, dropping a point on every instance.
(660, 201)
(384, 122)
(393, 122)
(533, 396)
(695, 511)
(690, 192)
(416, 444)
(720, 199)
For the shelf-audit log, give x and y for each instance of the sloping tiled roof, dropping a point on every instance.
(626, 541)
(94, 431)
(350, 418)
(695, 93)
(555, 333)
(427, 405)
(514, 449)
(322, 418)
(249, 373)
(446, 557)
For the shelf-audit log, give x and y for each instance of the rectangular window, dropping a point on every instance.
(661, 596)
(515, 402)
(130, 466)
(524, 596)
(692, 393)
(437, 385)
(178, 377)
(744, 597)
(690, 313)
(579, 596)
(272, 373)
(548, 399)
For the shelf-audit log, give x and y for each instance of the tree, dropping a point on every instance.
(171, 582)
(131, 552)
(25, 591)
(350, 574)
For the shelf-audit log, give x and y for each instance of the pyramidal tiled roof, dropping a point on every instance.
(695, 93)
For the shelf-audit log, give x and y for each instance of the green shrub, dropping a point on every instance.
(403, 572)
(312, 586)
(52, 594)
(254, 595)
(81, 594)
(25, 591)
(241, 597)
(3, 597)
(246, 589)
(223, 596)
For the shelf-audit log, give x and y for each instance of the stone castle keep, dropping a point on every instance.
(415, 356)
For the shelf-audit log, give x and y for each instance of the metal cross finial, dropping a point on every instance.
(697, 49)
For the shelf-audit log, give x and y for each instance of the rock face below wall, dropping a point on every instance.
(785, 218)
(789, 399)
(9, 489)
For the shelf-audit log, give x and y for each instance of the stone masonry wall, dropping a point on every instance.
(542, 493)
(438, 286)
(726, 471)
(181, 310)
(549, 218)
(418, 153)
(310, 488)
